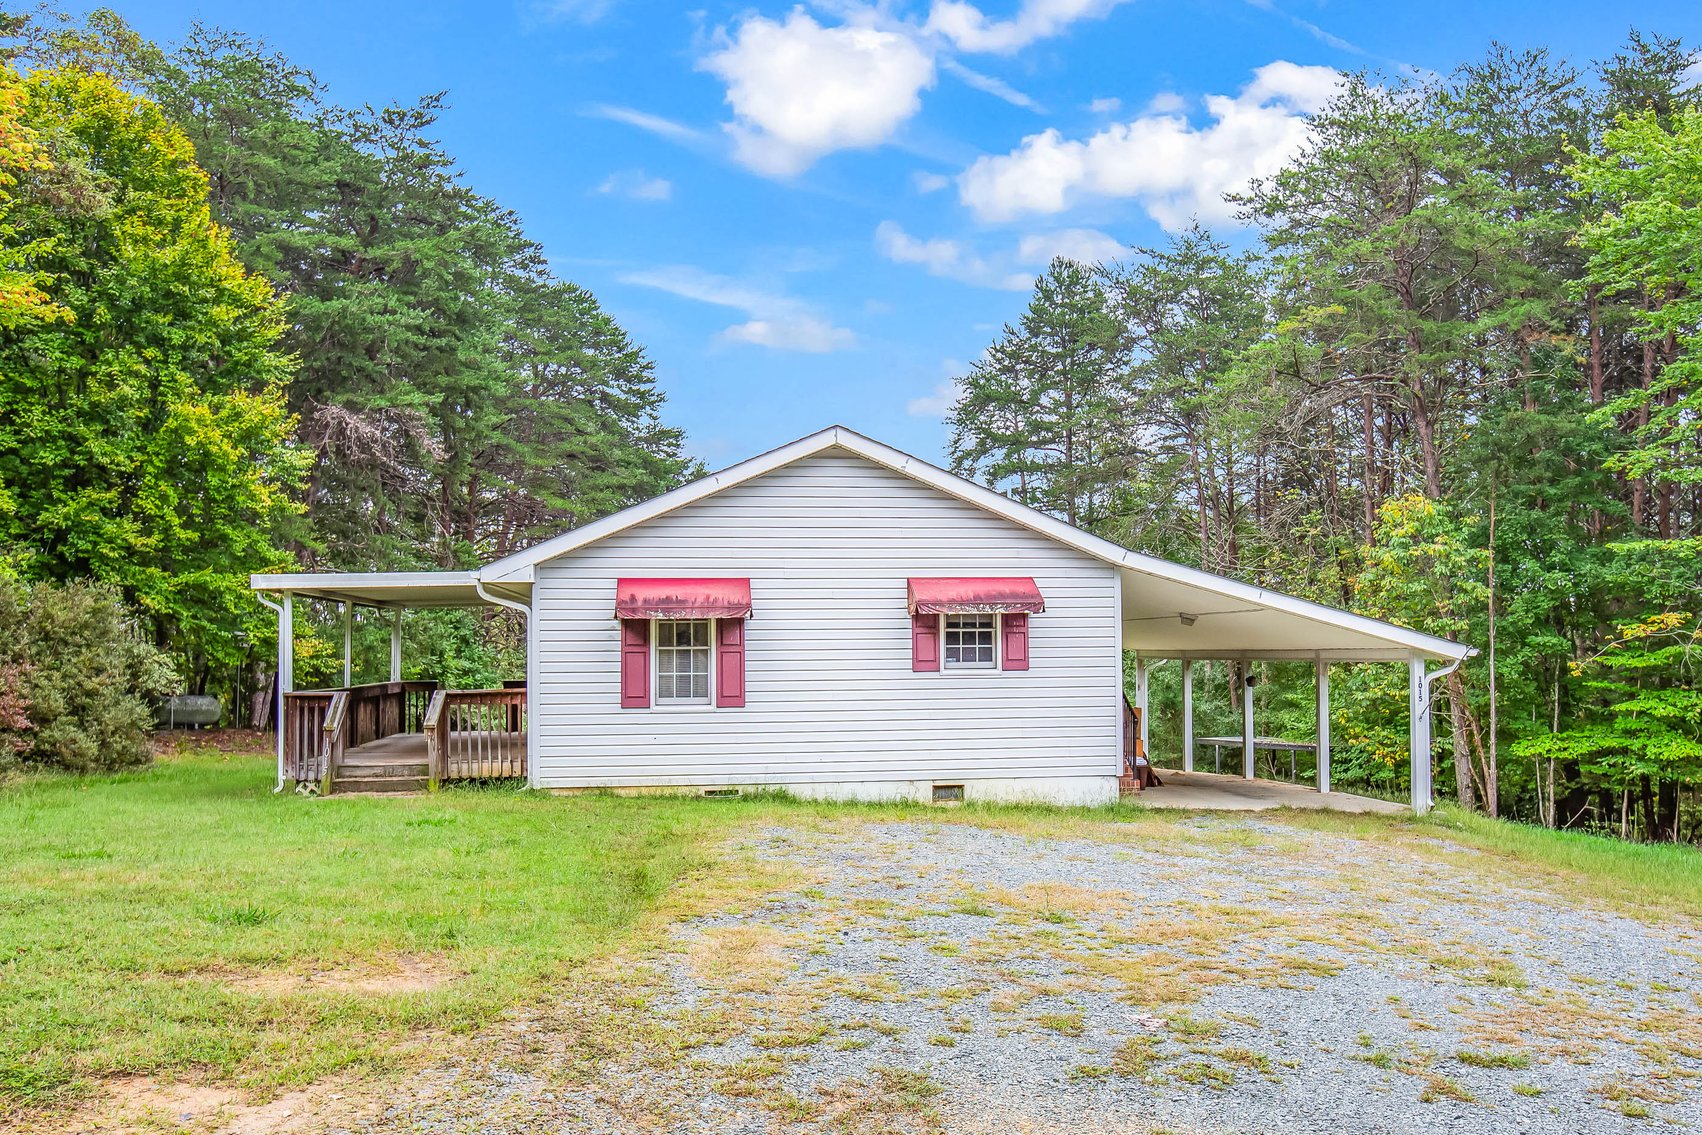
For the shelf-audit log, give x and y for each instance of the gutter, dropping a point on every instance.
(525, 612)
(277, 723)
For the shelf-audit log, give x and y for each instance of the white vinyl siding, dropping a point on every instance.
(828, 544)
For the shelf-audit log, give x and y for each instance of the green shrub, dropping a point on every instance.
(75, 682)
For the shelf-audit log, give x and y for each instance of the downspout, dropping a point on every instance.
(511, 604)
(277, 714)
(1430, 680)
(531, 732)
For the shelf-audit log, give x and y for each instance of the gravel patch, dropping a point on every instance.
(1213, 975)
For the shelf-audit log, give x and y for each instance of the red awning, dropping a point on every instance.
(682, 598)
(1002, 596)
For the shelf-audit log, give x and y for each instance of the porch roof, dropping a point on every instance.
(407, 589)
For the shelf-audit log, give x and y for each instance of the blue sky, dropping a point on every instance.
(812, 214)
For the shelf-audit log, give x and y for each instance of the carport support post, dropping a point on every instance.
(1418, 738)
(348, 643)
(1247, 754)
(286, 670)
(1323, 724)
(1187, 715)
(396, 645)
(1141, 682)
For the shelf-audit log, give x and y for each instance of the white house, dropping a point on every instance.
(844, 620)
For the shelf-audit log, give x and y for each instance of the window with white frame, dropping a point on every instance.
(682, 661)
(970, 642)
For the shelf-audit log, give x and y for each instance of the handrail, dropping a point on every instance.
(483, 734)
(369, 713)
(432, 727)
(331, 747)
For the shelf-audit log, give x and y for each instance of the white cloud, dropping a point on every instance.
(927, 182)
(780, 322)
(987, 84)
(807, 333)
(638, 185)
(799, 90)
(1007, 271)
(575, 11)
(1105, 106)
(1176, 170)
(938, 402)
(946, 258)
(643, 120)
(1166, 102)
(1086, 246)
(1309, 28)
(967, 27)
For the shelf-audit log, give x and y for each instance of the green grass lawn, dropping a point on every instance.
(134, 907)
(145, 917)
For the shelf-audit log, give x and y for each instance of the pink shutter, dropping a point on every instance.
(635, 663)
(1015, 652)
(730, 662)
(924, 642)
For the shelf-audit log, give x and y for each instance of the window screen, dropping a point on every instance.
(969, 640)
(682, 660)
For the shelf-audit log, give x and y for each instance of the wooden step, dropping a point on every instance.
(388, 768)
(377, 785)
(381, 758)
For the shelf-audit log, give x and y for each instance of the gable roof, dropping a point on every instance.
(1287, 626)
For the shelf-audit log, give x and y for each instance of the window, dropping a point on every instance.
(969, 641)
(682, 661)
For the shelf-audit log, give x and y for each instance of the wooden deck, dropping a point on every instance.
(396, 736)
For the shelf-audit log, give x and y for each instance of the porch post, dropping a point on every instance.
(396, 645)
(1323, 724)
(1187, 715)
(348, 642)
(286, 670)
(1141, 681)
(1418, 737)
(1247, 764)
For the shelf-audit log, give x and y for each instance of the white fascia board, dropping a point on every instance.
(297, 581)
(519, 567)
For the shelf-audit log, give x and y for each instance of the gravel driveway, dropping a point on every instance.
(1207, 974)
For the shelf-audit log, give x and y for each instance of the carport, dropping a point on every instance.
(1181, 614)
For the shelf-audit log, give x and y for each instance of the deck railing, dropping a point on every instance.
(475, 734)
(334, 739)
(319, 725)
(304, 733)
(384, 709)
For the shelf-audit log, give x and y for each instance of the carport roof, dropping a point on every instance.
(388, 588)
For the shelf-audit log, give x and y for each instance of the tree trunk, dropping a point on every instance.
(1368, 425)
(1463, 787)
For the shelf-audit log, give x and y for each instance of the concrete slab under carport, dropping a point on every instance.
(1208, 792)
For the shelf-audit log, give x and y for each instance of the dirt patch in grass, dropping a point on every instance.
(406, 974)
(143, 1105)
